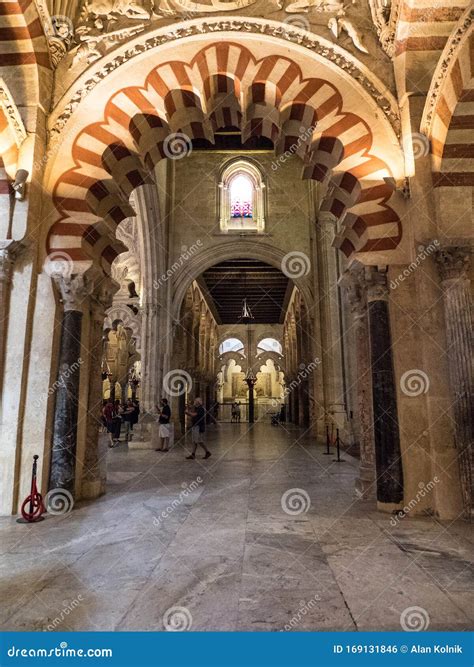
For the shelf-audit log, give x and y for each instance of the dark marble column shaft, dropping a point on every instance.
(63, 455)
(386, 428)
(73, 290)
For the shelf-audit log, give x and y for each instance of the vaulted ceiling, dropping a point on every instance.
(265, 287)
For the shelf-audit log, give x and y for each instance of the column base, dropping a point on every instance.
(141, 444)
(389, 508)
(338, 415)
(365, 486)
(91, 489)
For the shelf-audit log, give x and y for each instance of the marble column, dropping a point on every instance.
(384, 398)
(73, 291)
(330, 322)
(454, 267)
(151, 386)
(8, 253)
(93, 475)
(353, 282)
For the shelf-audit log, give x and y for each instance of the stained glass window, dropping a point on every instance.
(241, 197)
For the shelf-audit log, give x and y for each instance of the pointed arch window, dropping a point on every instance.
(241, 191)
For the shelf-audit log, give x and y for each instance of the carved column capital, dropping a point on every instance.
(75, 288)
(376, 283)
(453, 263)
(9, 251)
(355, 288)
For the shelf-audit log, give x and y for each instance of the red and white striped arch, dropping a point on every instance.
(23, 44)
(448, 119)
(225, 82)
(12, 136)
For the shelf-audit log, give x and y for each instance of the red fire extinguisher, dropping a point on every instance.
(33, 507)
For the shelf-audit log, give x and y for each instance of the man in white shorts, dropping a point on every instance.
(198, 425)
(165, 427)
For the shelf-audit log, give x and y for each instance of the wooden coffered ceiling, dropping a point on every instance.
(266, 289)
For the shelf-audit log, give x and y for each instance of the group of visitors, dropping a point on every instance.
(115, 414)
(197, 413)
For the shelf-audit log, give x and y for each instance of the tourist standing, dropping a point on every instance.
(127, 416)
(198, 427)
(236, 412)
(164, 420)
(108, 413)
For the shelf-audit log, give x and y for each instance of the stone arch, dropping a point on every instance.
(228, 356)
(225, 337)
(226, 250)
(89, 205)
(277, 359)
(268, 334)
(451, 88)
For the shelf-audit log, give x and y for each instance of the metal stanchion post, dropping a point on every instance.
(327, 441)
(32, 507)
(338, 448)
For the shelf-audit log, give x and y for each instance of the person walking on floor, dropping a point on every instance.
(109, 415)
(198, 427)
(165, 426)
(236, 412)
(127, 416)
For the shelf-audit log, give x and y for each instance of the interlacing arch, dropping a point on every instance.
(447, 119)
(224, 84)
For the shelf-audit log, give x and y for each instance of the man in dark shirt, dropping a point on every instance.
(164, 421)
(198, 427)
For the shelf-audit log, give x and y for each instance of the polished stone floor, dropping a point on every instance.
(264, 535)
